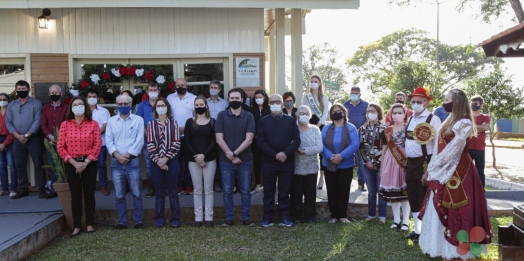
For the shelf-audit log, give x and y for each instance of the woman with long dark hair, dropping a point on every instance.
(79, 143)
(259, 110)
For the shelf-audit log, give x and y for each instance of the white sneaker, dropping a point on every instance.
(12, 193)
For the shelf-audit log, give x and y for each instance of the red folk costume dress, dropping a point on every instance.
(455, 199)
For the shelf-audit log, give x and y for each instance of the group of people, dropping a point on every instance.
(194, 145)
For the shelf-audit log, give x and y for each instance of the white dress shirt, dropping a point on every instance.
(413, 149)
(101, 115)
(182, 109)
(126, 135)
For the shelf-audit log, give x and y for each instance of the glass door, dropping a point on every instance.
(200, 72)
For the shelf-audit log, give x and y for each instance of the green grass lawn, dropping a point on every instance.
(319, 241)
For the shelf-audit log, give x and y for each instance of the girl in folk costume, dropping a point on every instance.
(455, 199)
(393, 172)
(319, 105)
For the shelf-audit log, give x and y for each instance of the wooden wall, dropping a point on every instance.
(250, 91)
(48, 68)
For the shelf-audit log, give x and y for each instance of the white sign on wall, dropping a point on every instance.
(247, 71)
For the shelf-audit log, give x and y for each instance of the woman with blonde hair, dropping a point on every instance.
(455, 199)
(319, 105)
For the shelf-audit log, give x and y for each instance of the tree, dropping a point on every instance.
(490, 10)
(501, 99)
(322, 60)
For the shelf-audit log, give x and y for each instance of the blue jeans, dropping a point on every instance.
(130, 172)
(52, 174)
(102, 167)
(373, 183)
(147, 160)
(166, 180)
(229, 172)
(360, 170)
(7, 159)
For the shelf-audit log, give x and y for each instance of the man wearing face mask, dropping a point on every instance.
(278, 138)
(477, 145)
(356, 108)
(216, 105)
(182, 106)
(53, 114)
(23, 121)
(400, 97)
(145, 110)
(421, 136)
(101, 116)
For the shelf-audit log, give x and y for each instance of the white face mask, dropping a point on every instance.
(303, 119)
(3, 103)
(92, 101)
(259, 101)
(314, 85)
(78, 110)
(275, 108)
(161, 111)
(418, 108)
(372, 116)
(153, 95)
(213, 92)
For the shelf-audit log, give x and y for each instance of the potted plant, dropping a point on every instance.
(61, 187)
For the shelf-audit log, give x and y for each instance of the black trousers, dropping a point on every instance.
(303, 185)
(257, 162)
(416, 192)
(284, 173)
(479, 156)
(82, 185)
(338, 184)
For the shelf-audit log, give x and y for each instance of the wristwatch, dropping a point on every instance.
(26, 136)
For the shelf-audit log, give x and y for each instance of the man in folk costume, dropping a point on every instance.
(420, 135)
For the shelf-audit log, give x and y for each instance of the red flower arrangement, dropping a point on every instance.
(171, 86)
(106, 76)
(84, 84)
(149, 76)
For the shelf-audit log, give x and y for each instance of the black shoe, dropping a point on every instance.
(120, 226)
(42, 193)
(414, 236)
(217, 188)
(248, 223)
(51, 195)
(175, 226)
(228, 223)
(20, 194)
(139, 225)
(150, 192)
(198, 224)
(362, 187)
(209, 223)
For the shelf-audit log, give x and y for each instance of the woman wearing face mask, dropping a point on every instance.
(306, 169)
(79, 143)
(371, 145)
(259, 110)
(455, 199)
(340, 140)
(199, 135)
(163, 145)
(318, 103)
(6, 152)
(289, 104)
(393, 170)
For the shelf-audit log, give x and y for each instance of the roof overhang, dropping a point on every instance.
(302, 4)
(507, 43)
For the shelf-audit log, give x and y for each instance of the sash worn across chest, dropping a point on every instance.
(313, 105)
(395, 150)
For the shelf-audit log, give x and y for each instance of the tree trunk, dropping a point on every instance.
(491, 135)
(517, 8)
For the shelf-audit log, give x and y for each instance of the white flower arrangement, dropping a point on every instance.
(95, 78)
(75, 93)
(160, 79)
(115, 72)
(139, 72)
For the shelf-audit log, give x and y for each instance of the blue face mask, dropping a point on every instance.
(354, 97)
(124, 110)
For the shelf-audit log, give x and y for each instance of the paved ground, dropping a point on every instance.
(510, 161)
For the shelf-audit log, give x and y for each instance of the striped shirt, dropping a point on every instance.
(163, 140)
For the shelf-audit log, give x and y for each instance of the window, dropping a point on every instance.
(9, 75)
(199, 75)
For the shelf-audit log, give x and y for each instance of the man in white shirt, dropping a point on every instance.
(182, 106)
(216, 105)
(100, 115)
(421, 136)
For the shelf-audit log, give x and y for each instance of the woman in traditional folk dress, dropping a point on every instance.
(455, 199)
(319, 105)
(393, 172)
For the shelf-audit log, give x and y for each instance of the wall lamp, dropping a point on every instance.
(43, 21)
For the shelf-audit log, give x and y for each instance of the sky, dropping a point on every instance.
(349, 29)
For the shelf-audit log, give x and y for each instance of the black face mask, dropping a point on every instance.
(475, 107)
(401, 102)
(448, 107)
(55, 97)
(200, 110)
(181, 90)
(22, 94)
(235, 104)
(336, 116)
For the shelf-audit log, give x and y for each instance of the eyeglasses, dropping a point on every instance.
(338, 111)
(371, 111)
(125, 104)
(161, 106)
(3, 99)
(303, 114)
(275, 102)
(417, 102)
(77, 105)
(290, 101)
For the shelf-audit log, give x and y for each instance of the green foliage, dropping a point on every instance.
(58, 166)
(323, 60)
